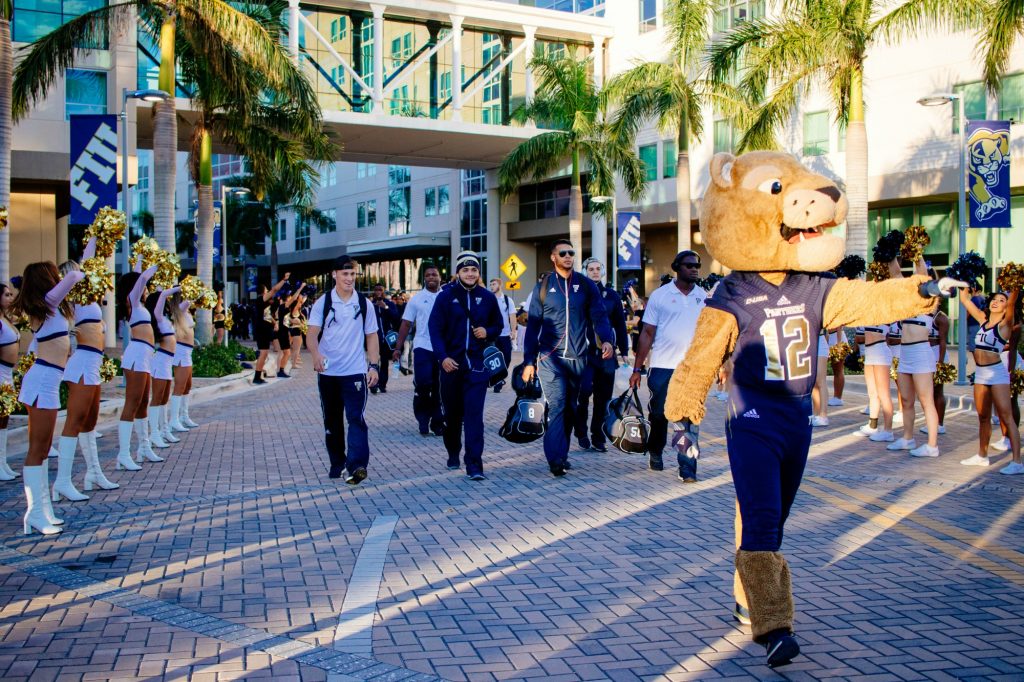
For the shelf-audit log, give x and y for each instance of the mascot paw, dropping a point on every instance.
(944, 287)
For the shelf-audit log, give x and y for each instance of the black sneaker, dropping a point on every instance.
(335, 472)
(567, 464)
(356, 477)
(453, 464)
(584, 443)
(557, 470)
(257, 379)
(383, 390)
(599, 447)
(781, 650)
(741, 615)
(655, 463)
(476, 477)
(374, 390)
(281, 374)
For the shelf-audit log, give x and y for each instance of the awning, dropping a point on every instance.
(412, 245)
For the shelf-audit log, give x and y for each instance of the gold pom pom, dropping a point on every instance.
(1017, 382)
(894, 371)
(192, 288)
(97, 282)
(3, 217)
(208, 301)
(108, 369)
(168, 266)
(8, 400)
(1011, 276)
(23, 324)
(945, 373)
(148, 250)
(915, 240)
(304, 326)
(25, 363)
(839, 352)
(108, 228)
(229, 320)
(878, 272)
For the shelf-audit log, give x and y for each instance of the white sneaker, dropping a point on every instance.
(722, 396)
(975, 461)
(835, 402)
(866, 410)
(819, 421)
(897, 417)
(1012, 469)
(902, 444)
(941, 430)
(1001, 445)
(866, 430)
(883, 437)
(925, 451)
(995, 420)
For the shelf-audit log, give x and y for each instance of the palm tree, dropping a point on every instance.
(568, 104)
(6, 65)
(224, 36)
(670, 93)
(822, 42)
(1002, 23)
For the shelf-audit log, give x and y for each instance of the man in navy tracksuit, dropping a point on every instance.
(564, 306)
(464, 321)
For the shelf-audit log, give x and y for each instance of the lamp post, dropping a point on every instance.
(599, 233)
(224, 190)
(126, 203)
(938, 100)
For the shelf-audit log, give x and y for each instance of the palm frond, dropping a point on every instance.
(687, 23)
(1002, 24)
(534, 158)
(913, 17)
(644, 92)
(760, 131)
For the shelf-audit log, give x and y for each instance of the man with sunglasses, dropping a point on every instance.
(342, 335)
(564, 307)
(670, 320)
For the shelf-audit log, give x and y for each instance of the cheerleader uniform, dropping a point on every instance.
(283, 334)
(995, 374)
(8, 336)
(294, 325)
(40, 386)
(896, 332)
(138, 356)
(933, 335)
(85, 361)
(182, 350)
(917, 357)
(877, 353)
(218, 319)
(163, 359)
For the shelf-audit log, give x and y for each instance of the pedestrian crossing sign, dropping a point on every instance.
(512, 286)
(513, 268)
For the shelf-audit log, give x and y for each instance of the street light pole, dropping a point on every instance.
(224, 190)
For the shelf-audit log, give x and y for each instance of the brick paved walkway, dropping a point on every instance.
(233, 560)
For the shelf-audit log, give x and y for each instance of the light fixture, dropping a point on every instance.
(148, 95)
(938, 99)
(601, 199)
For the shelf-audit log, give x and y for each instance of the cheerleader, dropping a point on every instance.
(82, 376)
(1012, 362)
(991, 376)
(42, 299)
(894, 338)
(218, 318)
(160, 433)
(818, 400)
(937, 339)
(295, 319)
(877, 363)
(263, 325)
(282, 332)
(185, 335)
(10, 340)
(136, 363)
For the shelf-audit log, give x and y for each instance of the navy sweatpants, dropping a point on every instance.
(768, 439)
(658, 380)
(560, 378)
(344, 399)
(598, 381)
(462, 397)
(426, 397)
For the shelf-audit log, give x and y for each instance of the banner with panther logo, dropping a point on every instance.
(988, 174)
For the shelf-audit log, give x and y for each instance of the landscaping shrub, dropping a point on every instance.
(214, 360)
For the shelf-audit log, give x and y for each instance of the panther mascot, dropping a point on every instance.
(767, 218)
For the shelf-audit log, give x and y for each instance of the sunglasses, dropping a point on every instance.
(566, 252)
(691, 265)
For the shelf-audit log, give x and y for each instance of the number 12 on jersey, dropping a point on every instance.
(787, 354)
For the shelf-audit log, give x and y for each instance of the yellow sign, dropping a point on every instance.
(512, 286)
(513, 267)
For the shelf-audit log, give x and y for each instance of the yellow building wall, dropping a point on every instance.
(33, 225)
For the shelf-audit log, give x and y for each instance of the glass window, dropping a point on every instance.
(366, 213)
(331, 215)
(399, 204)
(1011, 98)
(725, 136)
(973, 97)
(649, 158)
(33, 19)
(816, 130)
(443, 204)
(361, 214)
(398, 175)
(472, 182)
(282, 230)
(938, 220)
(668, 158)
(550, 199)
(430, 201)
(301, 234)
(731, 13)
(85, 92)
(648, 15)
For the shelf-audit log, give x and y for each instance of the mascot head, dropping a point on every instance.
(765, 212)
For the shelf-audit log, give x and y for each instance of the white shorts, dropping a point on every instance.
(822, 347)
(1005, 357)
(877, 354)
(40, 387)
(161, 368)
(182, 355)
(917, 358)
(995, 374)
(6, 374)
(138, 356)
(84, 366)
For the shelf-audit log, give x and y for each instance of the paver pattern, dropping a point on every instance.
(234, 558)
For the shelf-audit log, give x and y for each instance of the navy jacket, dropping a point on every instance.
(557, 328)
(455, 312)
(616, 318)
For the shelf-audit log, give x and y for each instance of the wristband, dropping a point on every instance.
(374, 366)
(638, 370)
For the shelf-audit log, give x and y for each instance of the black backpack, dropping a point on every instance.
(329, 304)
(494, 365)
(625, 425)
(527, 419)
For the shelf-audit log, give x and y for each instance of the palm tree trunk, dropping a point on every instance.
(857, 171)
(683, 184)
(273, 253)
(576, 210)
(165, 143)
(6, 69)
(204, 248)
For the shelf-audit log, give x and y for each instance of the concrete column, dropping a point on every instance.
(530, 40)
(456, 68)
(109, 318)
(62, 239)
(598, 55)
(493, 225)
(378, 58)
(293, 29)
(599, 237)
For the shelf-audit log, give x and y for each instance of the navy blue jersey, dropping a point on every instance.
(777, 349)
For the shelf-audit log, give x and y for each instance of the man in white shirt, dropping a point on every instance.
(511, 326)
(426, 402)
(342, 335)
(670, 319)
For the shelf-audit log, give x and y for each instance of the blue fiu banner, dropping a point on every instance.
(252, 274)
(988, 174)
(216, 233)
(627, 240)
(93, 166)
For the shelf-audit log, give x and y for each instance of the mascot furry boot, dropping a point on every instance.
(766, 217)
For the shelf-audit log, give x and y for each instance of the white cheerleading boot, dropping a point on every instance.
(176, 424)
(145, 450)
(93, 473)
(35, 494)
(124, 452)
(6, 472)
(64, 486)
(155, 439)
(47, 504)
(185, 419)
(165, 424)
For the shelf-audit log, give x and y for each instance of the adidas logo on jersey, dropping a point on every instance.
(751, 414)
(552, 290)
(783, 301)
